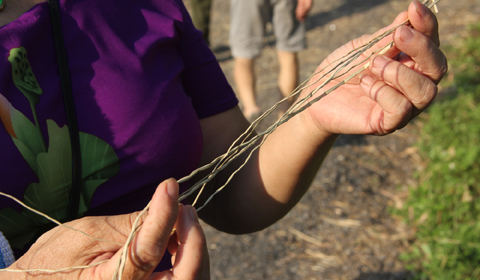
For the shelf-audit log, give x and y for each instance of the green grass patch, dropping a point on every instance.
(446, 204)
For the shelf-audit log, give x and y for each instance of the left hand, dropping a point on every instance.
(303, 7)
(62, 247)
(394, 89)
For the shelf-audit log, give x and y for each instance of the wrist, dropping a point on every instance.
(312, 130)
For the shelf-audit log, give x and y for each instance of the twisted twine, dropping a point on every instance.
(338, 68)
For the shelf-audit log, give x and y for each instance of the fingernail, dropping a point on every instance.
(366, 80)
(172, 189)
(193, 215)
(406, 34)
(421, 9)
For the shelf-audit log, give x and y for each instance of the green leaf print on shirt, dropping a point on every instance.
(26, 82)
(23, 77)
(53, 167)
(27, 139)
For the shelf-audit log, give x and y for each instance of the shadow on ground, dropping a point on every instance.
(400, 275)
(349, 7)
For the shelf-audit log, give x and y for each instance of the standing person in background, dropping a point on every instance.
(201, 17)
(248, 21)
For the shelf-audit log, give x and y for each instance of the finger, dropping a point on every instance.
(173, 244)
(394, 109)
(149, 245)
(419, 16)
(386, 40)
(153, 237)
(362, 41)
(424, 21)
(191, 260)
(419, 89)
(429, 59)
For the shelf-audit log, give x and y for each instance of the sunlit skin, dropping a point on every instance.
(187, 245)
(393, 90)
(244, 74)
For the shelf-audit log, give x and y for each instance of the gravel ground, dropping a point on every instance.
(342, 228)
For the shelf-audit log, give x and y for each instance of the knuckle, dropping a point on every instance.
(145, 259)
(406, 78)
(425, 45)
(419, 89)
(442, 68)
(403, 106)
(427, 94)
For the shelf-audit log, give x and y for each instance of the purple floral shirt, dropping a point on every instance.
(142, 78)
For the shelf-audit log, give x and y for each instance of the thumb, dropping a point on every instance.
(148, 247)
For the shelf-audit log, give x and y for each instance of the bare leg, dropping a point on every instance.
(287, 76)
(201, 17)
(245, 81)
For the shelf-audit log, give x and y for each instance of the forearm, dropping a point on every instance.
(291, 158)
(273, 181)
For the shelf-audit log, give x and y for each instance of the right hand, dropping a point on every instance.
(62, 247)
(396, 87)
(303, 7)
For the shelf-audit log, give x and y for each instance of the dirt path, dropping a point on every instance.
(342, 228)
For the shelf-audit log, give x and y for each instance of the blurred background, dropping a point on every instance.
(389, 207)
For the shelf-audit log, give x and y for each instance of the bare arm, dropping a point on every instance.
(273, 181)
(396, 88)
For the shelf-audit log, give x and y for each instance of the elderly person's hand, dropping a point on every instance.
(61, 247)
(395, 88)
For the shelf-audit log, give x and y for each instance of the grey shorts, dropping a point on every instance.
(248, 21)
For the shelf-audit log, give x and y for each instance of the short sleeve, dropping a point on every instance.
(203, 79)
